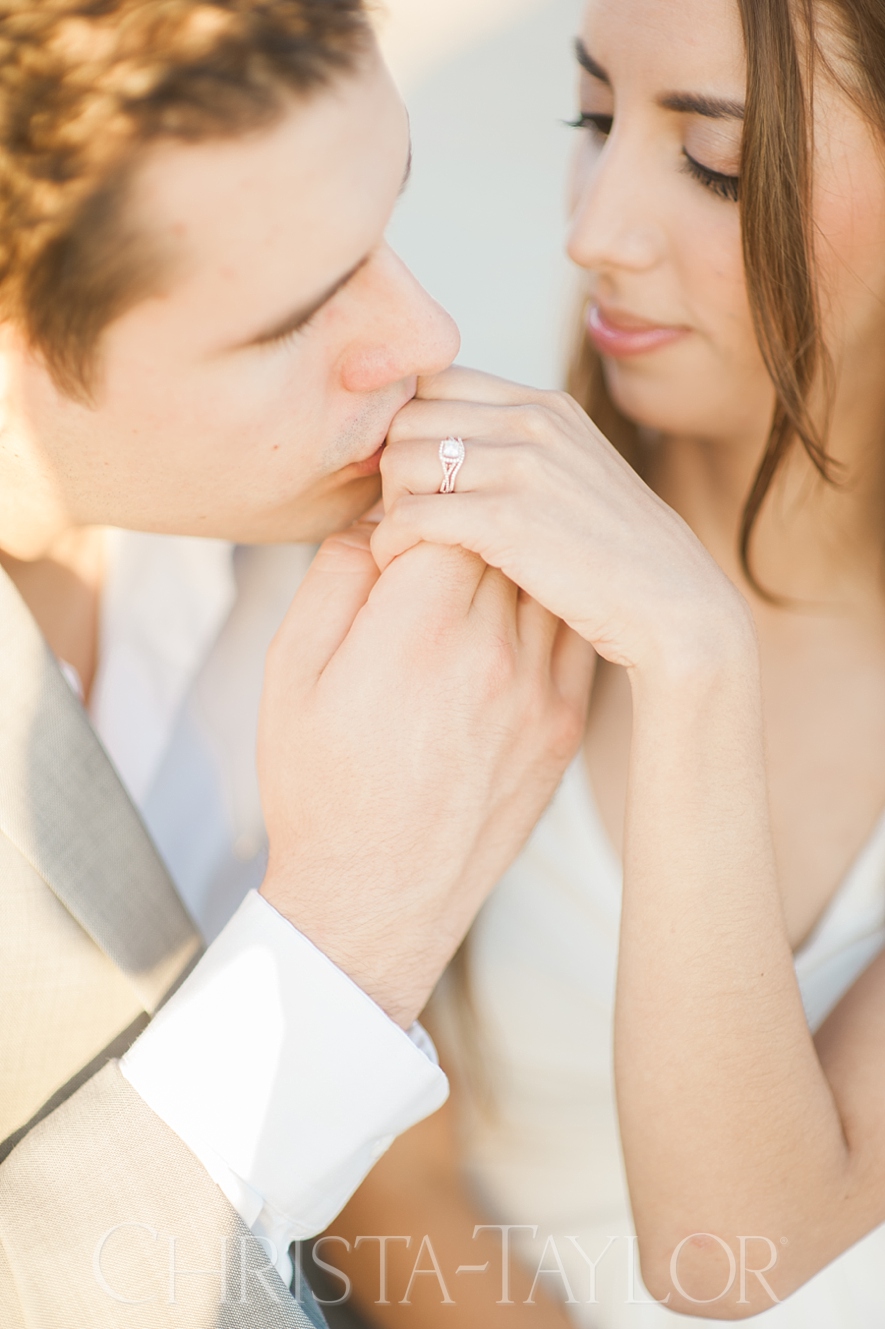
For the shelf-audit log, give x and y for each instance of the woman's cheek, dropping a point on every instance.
(714, 272)
(712, 257)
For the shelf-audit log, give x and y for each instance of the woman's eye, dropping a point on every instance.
(724, 186)
(600, 125)
(718, 182)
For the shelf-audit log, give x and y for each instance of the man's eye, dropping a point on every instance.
(600, 125)
(290, 336)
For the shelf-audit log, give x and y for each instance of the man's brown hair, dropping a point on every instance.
(85, 86)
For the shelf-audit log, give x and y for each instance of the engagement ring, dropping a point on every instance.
(451, 454)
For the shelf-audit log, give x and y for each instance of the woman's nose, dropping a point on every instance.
(408, 335)
(613, 221)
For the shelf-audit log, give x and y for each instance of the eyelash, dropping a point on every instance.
(723, 186)
(600, 124)
(286, 338)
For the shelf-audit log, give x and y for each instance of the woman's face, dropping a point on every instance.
(656, 221)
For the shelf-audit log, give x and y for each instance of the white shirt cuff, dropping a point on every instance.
(281, 1075)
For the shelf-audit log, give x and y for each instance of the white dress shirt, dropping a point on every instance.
(280, 1074)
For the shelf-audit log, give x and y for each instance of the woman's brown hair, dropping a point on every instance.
(775, 202)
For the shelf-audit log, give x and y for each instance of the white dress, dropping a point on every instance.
(545, 1151)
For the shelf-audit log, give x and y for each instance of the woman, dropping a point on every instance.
(729, 210)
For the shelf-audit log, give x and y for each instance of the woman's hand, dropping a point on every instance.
(543, 496)
(732, 1121)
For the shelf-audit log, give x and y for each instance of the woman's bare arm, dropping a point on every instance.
(416, 1191)
(734, 1123)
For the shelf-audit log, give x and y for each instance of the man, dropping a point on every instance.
(204, 334)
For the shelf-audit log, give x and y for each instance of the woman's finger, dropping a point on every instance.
(461, 384)
(516, 422)
(439, 519)
(414, 467)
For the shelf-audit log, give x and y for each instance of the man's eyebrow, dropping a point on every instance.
(586, 61)
(695, 103)
(687, 103)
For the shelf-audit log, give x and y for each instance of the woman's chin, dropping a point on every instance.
(667, 405)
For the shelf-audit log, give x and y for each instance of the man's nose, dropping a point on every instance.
(409, 336)
(614, 224)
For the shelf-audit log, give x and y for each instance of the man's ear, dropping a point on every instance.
(31, 511)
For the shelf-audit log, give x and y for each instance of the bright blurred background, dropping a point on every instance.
(488, 84)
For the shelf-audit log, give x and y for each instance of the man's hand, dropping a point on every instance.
(413, 727)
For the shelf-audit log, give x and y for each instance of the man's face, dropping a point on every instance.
(248, 399)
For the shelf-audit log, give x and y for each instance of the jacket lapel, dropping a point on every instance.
(64, 808)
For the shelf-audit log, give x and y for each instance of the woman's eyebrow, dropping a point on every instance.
(695, 103)
(687, 103)
(586, 61)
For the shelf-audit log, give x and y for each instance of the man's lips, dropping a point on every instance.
(616, 333)
(366, 466)
(370, 466)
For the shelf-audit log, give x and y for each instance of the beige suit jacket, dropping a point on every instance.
(106, 1218)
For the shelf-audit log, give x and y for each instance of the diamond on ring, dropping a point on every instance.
(451, 454)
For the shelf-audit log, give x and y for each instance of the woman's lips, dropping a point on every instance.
(619, 334)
